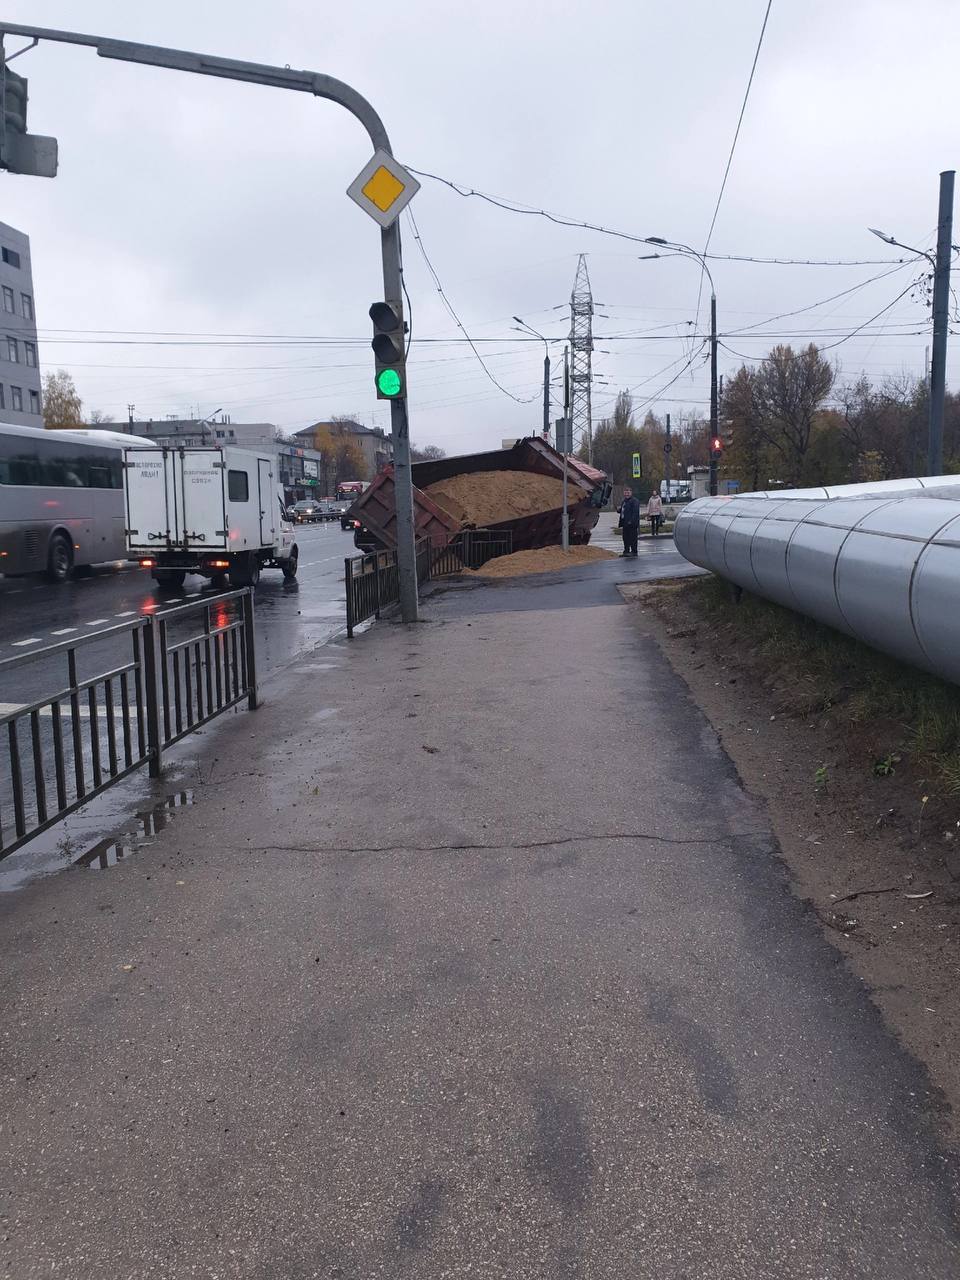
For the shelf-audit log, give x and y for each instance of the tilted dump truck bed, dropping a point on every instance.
(588, 492)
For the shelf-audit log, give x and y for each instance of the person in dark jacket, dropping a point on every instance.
(630, 522)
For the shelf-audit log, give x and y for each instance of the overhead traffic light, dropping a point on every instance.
(391, 376)
(21, 152)
(716, 446)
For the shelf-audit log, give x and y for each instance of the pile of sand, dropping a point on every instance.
(541, 560)
(483, 498)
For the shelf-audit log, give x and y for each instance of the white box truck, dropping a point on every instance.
(218, 512)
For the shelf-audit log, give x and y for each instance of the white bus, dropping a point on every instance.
(61, 499)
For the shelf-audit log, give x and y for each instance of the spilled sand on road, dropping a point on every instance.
(541, 560)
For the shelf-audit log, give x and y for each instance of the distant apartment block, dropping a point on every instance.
(20, 391)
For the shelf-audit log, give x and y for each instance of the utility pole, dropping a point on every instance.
(568, 432)
(714, 399)
(546, 373)
(941, 306)
(667, 451)
(21, 153)
(581, 352)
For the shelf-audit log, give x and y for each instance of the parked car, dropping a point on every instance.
(306, 511)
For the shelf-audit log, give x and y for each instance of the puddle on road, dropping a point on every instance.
(114, 849)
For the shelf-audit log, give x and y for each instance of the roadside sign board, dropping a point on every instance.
(563, 428)
(383, 188)
(637, 466)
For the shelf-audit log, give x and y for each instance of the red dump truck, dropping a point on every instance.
(440, 517)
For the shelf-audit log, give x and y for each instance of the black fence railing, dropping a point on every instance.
(372, 581)
(61, 750)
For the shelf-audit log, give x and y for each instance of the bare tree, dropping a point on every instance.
(97, 416)
(790, 389)
(428, 453)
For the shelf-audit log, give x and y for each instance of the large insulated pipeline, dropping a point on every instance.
(880, 562)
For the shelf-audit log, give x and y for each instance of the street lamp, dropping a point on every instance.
(941, 301)
(205, 422)
(714, 403)
(546, 373)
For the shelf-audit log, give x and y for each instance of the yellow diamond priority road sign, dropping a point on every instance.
(383, 188)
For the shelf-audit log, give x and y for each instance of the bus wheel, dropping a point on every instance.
(59, 558)
(168, 579)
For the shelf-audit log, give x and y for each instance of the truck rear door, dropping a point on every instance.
(152, 507)
(203, 499)
(267, 491)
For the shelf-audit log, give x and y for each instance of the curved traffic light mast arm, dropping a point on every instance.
(321, 86)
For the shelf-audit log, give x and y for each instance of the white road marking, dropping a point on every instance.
(127, 613)
(191, 595)
(11, 708)
(64, 631)
(33, 640)
(98, 622)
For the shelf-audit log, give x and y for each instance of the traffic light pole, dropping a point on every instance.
(321, 86)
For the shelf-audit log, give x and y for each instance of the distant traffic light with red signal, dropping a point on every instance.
(716, 446)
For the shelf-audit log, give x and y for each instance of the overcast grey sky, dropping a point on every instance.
(187, 205)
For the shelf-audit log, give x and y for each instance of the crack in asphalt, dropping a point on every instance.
(527, 844)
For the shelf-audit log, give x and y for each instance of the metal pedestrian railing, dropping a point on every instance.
(61, 750)
(372, 581)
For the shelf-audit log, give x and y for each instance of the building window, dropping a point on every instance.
(16, 399)
(8, 300)
(30, 353)
(10, 257)
(13, 350)
(219, 435)
(27, 303)
(35, 402)
(238, 489)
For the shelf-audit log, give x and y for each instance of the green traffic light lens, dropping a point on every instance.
(389, 383)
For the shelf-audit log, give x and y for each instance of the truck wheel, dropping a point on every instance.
(245, 571)
(290, 566)
(218, 581)
(59, 558)
(168, 579)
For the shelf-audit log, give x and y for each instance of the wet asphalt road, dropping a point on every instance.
(291, 618)
(455, 977)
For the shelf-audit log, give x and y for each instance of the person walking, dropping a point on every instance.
(629, 522)
(655, 513)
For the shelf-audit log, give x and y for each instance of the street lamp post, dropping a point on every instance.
(321, 86)
(546, 372)
(941, 310)
(714, 398)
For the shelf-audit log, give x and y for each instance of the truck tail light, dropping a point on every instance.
(219, 564)
(148, 563)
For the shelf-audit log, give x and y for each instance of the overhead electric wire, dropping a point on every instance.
(736, 135)
(562, 220)
(846, 337)
(459, 323)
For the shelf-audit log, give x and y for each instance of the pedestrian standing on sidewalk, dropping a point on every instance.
(655, 513)
(630, 522)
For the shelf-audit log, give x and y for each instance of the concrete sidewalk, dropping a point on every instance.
(484, 967)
